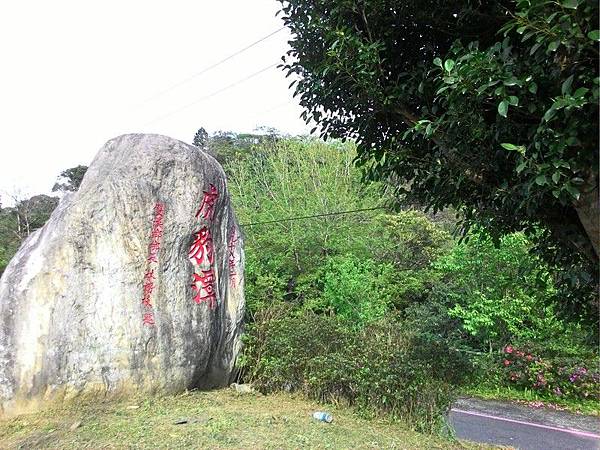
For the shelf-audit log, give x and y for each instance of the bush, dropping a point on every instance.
(382, 368)
(498, 293)
(412, 240)
(281, 342)
(568, 377)
(358, 291)
(322, 294)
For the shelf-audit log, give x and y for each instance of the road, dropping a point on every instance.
(521, 427)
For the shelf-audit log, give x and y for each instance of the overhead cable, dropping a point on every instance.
(206, 97)
(203, 71)
(312, 217)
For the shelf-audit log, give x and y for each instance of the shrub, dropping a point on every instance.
(439, 341)
(382, 368)
(280, 343)
(411, 241)
(262, 287)
(568, 377)
(498, 293)
(358, 291)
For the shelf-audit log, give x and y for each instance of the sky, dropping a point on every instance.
(78, 73)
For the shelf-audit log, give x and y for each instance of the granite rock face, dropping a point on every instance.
(134, 284)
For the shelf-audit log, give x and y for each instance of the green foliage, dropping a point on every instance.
(290, 179)
(487, 107)
(412, 243)
(226, 146)
(69, 180)
(379, 368)
(9, 237)
(262, 287)
(35, 211)
(356, 291)
(500, 294)
(414, 240)
(571, 377)
(384, 311)
(277, 351)
(16, 223)
(355, 265)
(319, 290)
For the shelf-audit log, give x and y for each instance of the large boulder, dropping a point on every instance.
(135, 283)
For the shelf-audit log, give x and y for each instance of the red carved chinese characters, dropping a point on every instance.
(201, 250)
(153, 248)
(157, 232)
(148, 288)
(204, 286)
(207, 208)
(148, 319)
(202, 253)
(231, 257)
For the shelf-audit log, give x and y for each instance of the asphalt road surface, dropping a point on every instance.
(524, 428)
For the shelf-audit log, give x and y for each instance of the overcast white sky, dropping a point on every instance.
(77, 73)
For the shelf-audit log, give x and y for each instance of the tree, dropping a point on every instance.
(228, 145)
(18, 222)
(489, 107)
(10, 239)
(70, 179)
(355, 265)
(34, 212)
(201, 138)
(498, 294)
(297, 178)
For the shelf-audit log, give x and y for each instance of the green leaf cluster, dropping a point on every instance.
(353, 265)
(381, 368)
(502, 294)
(321, 290)
(487, 107)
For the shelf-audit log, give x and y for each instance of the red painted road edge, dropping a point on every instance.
(531, 424)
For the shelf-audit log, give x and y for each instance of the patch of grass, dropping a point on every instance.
(589, 407)
(217, 420)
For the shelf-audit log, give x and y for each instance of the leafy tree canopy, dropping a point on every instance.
(201, 138)
(70, 179)
(16, 223)
(489, 107)
(228, 145)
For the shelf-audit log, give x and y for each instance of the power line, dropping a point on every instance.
(203, 71)
(312, 217)
(206, 97)
(276, 107)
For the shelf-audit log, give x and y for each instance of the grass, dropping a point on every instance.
(217, 420)
(588, 407)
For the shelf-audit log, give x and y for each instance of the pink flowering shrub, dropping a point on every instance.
(563, 377)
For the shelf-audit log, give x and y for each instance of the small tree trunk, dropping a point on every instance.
(19, 225)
